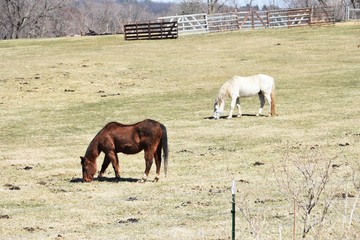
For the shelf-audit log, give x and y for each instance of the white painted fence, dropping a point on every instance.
(352, 13)
(189, 24)
(204, 23)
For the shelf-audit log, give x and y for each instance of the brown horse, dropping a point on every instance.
(147, 135)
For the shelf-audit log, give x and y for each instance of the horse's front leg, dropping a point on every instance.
(232, 106)
(115, 163)
(104, 166)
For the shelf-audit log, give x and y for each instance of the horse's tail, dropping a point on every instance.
(272, 95)
(165, 147)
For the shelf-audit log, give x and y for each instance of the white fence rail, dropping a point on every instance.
(189, 24)
(203, 23)
(352, 13)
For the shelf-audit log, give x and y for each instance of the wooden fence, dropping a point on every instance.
(151, 30)
(203, 23)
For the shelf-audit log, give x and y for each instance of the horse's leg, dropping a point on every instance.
(158, 162)
(115, 162)
(238, 106)
(104, 166)
(149, 156)
(232, 106)
(262, 103)
(268, 99)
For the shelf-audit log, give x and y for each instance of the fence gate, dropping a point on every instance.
(189, 24)
(253, 19)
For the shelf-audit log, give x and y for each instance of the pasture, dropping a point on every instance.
(56, 94)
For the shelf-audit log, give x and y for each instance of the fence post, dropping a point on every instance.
(233, 191)
(252, 19)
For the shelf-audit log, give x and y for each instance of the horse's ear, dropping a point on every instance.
(82, 159)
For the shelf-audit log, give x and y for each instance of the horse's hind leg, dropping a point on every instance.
(268, 99)
(149, 156)
(158, 162)
(262, 103)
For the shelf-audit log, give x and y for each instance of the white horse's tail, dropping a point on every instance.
(272, 95)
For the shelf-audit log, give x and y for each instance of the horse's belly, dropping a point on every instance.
(248, 92)
(130, 149)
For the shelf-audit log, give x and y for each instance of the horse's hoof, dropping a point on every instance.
(142, 180)
(156, 179)
(257, 114)
(239, 115)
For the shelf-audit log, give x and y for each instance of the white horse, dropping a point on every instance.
(238, 87)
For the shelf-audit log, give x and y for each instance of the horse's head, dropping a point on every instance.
(218, 108)
(88, 169)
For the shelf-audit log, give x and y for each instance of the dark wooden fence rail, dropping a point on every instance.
(151, 30)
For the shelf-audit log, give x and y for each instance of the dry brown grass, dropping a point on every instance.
(57, 93)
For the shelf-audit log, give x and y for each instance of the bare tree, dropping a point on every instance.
(20, 18)
(215, 5)
(355, 2)
(255, 219)
(324, 3)
(52, 18)
(304, 180)
(191, 6)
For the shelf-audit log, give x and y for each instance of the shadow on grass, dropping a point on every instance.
(106, 179)
(235, 116)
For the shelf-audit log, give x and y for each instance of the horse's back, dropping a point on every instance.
(148, 128)
(130, 138)
(252, 85)
(246, 86)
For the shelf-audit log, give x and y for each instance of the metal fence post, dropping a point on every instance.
(233, 191)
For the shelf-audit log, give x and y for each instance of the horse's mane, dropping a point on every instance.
(93, 149)
(225, 90)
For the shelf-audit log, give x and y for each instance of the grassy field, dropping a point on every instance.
(56, 94)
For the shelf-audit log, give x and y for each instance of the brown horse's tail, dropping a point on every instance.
(272, 95)
(164, 141)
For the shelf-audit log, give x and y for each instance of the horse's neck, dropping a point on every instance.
(92, 152)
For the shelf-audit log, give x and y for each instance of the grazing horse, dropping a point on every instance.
(238, 87)
(147, 135)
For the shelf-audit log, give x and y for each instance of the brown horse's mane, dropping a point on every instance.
(93, 151)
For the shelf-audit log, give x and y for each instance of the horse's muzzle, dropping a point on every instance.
(87, 179)
(216, 115)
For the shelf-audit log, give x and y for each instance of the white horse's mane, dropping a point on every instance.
(225, 90)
